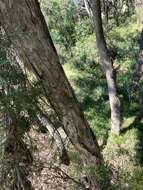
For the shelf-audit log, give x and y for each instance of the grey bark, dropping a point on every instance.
(23, 20)
(45, 121)
(107, 66)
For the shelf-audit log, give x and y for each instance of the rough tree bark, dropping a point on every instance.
(107, 66)
(26, 27)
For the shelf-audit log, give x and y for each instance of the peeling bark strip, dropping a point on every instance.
(45, 121)
(107, 66)
(26, 27)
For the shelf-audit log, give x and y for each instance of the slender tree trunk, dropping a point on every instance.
(26, 27)
(107, 66)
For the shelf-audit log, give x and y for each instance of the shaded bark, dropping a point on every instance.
(107, 66)
(46, 122)
(26, 27)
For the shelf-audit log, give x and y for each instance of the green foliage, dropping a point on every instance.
(82, 67)
(122, 153)
(98, 121)
(83, 28)
(101, 173)
(137, 179)
(17, 98)
(61, 22)
(117, 12)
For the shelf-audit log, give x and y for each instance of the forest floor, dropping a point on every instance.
(123, 154)
(49, 173)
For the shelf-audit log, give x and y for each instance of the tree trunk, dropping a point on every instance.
(26, 27)
(107, 66)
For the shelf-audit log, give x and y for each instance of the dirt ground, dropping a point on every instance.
(49, 173)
